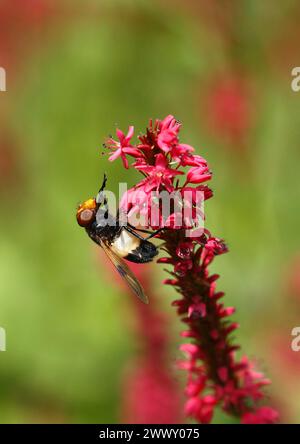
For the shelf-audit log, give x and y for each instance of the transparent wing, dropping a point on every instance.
(125, 272)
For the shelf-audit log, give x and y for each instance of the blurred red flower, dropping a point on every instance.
(228, 109)
(263, 415)
(150, 393)
(18, 21)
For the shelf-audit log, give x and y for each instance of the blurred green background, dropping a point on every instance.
(75, 70)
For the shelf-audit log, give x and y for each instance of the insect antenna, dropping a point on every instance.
(101, 199)
(103, 183)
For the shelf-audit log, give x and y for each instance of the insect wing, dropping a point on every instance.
(125, 272)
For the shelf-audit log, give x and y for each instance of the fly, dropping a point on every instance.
(117, 240)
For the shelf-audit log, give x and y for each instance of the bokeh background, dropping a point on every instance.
(79, 349)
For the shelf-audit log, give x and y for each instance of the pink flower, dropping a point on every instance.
(263, 415)
(213, 247)
(165, 139)
(135, 200)
(169, 123)
(193, 160)
(198, 194)
(195, 386)
(122, 147)
(159, 174)
(168, 131)
(197, 309)
(198, 174)
(201, 408)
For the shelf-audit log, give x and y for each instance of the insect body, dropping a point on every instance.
(118, 241)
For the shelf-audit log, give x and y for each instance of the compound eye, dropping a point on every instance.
(85, 217)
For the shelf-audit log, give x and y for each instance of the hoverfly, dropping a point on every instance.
(117, 240)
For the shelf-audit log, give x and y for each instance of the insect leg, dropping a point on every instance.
(154, 233)
(139, 229)
(132, 231)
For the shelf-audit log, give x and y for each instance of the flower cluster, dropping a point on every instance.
(215, 376)
(161, 159)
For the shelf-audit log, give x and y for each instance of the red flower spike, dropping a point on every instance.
(213, 369)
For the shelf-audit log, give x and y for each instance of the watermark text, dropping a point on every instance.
(295, 83)
(295, 344)
(2, 340)
(2, 79)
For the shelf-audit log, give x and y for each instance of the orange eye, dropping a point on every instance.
(86, 212)
(85, 217)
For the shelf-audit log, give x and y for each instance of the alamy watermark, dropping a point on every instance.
(2, 340)
(295, 344)
(2, 79)
(140, 208)
(295, 83)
